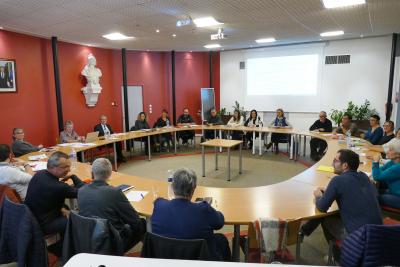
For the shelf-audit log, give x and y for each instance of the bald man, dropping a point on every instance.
(105, 129)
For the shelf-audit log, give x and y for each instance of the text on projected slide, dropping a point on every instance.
(286, 75)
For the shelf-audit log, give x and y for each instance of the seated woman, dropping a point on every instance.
(375, 132)
(69, 135)
(389, 175)
(235, 121)
(140, 124)
(214, 119)
(281, 122)
(183, 219)
(164, 139)
(252, 121)
(19, 146)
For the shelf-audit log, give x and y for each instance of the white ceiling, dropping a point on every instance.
(289, 21)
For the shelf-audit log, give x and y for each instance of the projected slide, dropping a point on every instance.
(285, 75)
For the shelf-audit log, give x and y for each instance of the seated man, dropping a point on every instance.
(347, 125)
(214, 119)
(105, 129)
(180, 218)
(388, 175)
(317, 145)
(99, 199)
(184, 120)
(10, 173)
(19, 146)
(355, 195)
(47, 193)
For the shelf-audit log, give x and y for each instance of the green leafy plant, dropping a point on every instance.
(362, 112)
(222, 112)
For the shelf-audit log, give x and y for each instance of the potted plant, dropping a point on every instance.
(360, 114)
(241, 110)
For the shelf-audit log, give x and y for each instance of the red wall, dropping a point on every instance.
(33, 107)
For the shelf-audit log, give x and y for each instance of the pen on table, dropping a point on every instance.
(142, 195)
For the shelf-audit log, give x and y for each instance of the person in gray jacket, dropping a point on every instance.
(19, 146)
(101, 200)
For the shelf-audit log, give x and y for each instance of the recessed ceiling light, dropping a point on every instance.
(334, 33)
(157, 31)
(265, 40)
(210, 46)
(206, 22)
(174, 35)
(342, 3)
(117, 36)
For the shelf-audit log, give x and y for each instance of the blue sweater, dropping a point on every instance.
(183, 219)
(180, 218)
(356, 198)
(374, 137)
(388, 173)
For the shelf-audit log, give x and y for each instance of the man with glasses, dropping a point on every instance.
(317, 145)
(355, 196)
(46, 196)
(19, 146)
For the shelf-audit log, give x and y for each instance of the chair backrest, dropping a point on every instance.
(90, 235)
(372, 245)
(21, 239)
(155, 246)
(6, 191)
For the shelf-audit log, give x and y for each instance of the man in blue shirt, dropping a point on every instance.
(180, 218)
(355, 195)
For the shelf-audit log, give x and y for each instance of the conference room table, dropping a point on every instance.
(291, 200)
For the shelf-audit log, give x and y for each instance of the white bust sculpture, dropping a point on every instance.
(92, 88)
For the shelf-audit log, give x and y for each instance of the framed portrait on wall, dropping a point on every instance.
(8, 77)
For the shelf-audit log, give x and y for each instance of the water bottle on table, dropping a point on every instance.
(170, 175)
(348, 138)
(73, 158)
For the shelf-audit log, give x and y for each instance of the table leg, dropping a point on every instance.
(115, 156)
(235, 243)
(240, 158)
(203, 162)
(216, 158)
(254, 142)
(291, 146)
(149, 147)
(220, 137)
(175, 142)
(83, 156)
(304, 145)
(229, 163)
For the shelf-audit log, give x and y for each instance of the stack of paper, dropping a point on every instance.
(136, 196)
(38, 165)
(38, 157)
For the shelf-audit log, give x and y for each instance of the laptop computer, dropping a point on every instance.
(92, 137)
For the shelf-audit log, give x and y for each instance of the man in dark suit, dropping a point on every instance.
(105, 129)
(101, 200)
(4, 80)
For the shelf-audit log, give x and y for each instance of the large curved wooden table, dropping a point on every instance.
(290, 200)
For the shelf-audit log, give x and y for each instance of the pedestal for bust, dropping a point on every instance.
(91, 95)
